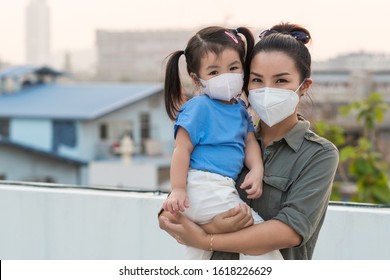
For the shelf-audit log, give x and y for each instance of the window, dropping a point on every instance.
(145, 130)
(145, 126)
(4, 128)
(103, 131)
(64, 133)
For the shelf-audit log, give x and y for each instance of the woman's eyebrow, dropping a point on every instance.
(282, 74)
(255, 74)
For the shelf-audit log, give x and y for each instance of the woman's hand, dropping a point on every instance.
(188, 233)
(184, 230)
(232, 220)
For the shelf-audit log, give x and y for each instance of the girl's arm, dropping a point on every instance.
(178, 200)
(253, 182)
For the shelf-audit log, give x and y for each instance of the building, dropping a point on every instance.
(136, 55)
(349, 78)
(37, 28)
(53, 131)
(81, 63)
(355, 61)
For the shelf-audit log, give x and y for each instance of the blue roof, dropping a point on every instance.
(79, 101)
(23, 70)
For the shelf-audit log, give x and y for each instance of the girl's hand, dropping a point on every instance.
(176, 202)
(253, 183)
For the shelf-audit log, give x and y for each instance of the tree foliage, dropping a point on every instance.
(365, 166)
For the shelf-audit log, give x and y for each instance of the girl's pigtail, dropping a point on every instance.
(250, 42)
(173, 95)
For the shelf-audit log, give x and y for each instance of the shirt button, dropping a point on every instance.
(267, 153)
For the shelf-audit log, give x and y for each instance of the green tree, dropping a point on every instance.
(370, 111)
(370, 172)
(365, 166)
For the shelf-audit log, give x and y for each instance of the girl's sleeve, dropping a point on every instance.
(192, 118)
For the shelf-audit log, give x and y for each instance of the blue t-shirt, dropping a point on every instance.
(217, 132)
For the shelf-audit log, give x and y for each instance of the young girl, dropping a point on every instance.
(213, 131)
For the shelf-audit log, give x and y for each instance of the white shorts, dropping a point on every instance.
(211, 194)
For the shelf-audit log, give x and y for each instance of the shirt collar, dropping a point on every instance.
(294, 138)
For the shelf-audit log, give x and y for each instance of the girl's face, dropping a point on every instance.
(212, 65)
(277, 70)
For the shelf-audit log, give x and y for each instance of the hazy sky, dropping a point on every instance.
(337, 26)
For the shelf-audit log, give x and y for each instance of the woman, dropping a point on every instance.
(299, 166)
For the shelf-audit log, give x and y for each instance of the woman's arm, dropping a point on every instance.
(258, 239)
(255, 240)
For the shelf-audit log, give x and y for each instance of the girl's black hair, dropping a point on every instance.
(214, 39)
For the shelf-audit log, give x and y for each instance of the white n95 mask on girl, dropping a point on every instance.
(273, 105)
(224, 86)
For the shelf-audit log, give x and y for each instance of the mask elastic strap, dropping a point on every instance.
(300, 85)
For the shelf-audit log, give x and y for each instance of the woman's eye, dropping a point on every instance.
(256, 80)
(280, 81)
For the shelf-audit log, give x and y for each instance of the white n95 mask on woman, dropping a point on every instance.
(224, 86)
(273, 105)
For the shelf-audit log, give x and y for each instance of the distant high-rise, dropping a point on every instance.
(136, 55)
(37, 32)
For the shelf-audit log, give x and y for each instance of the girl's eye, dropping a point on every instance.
(213, 73)
(280, 81)
(234, 68)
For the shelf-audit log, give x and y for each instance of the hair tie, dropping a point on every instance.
(184, 52)
(300, 36)
(232, 36)
(266, 32)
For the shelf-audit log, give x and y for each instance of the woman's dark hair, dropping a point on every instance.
(289, 39)
(212, 39)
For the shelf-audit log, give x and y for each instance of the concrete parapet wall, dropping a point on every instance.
(39, 222)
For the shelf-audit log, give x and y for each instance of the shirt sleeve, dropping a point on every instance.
(307, 200)
(251, 127)
(192, 118)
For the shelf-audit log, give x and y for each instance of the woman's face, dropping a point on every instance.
(275, 69)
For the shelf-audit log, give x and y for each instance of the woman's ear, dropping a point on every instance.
(306, 85)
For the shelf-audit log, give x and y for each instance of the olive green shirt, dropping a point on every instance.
(298, 176)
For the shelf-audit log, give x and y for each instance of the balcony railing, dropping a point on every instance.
(47, 221)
